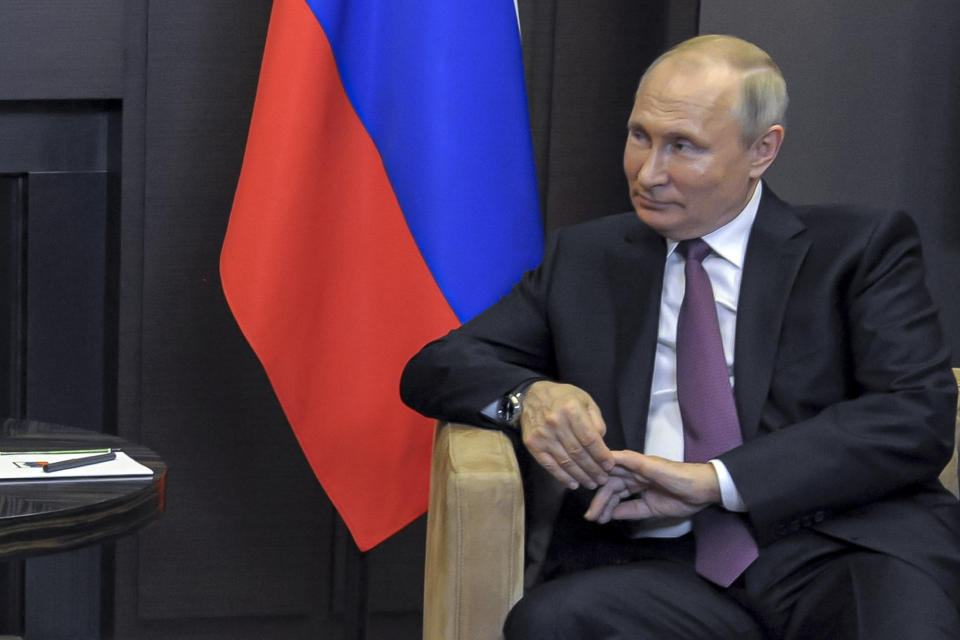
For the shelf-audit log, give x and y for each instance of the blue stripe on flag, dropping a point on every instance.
(439, 86)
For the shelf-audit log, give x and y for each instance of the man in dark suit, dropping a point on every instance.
(842, 396)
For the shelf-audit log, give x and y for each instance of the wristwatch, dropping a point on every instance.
(511, 405)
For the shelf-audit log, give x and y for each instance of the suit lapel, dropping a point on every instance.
(776, 250)
(635, 273)
(635, 265)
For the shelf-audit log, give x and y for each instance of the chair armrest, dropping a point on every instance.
(474, 556)
(949, 475)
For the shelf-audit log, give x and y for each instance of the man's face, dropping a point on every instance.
(688, 169)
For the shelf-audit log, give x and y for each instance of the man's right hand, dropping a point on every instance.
(563, 430)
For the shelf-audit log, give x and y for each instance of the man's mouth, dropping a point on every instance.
(649, 203)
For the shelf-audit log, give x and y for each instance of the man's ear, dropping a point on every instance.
(765, 149)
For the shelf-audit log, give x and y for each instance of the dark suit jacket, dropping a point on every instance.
(842, 380)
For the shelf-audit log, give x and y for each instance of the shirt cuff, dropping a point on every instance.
(491, 410)
(731, 498)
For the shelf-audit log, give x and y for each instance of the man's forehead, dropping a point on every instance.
(692, 74)
(699, 92)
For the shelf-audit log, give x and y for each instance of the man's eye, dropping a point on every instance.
(684, 146)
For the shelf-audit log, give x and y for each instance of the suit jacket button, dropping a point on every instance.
(806, 521)
(819, 516)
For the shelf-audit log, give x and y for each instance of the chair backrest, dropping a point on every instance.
(949, 476)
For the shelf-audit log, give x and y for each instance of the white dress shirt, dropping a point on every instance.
(664, 434)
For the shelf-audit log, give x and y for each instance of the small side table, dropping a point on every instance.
(47, 516)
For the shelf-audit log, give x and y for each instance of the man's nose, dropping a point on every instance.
(653, 170)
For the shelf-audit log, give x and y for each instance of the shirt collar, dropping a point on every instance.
(730, 240)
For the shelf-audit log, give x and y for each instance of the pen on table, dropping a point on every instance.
(73, 463)
(48, 452)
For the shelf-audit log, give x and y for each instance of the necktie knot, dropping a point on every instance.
(694, 249)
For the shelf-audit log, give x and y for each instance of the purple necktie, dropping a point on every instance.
(724, 545)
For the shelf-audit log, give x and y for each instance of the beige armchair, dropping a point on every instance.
(475, 532)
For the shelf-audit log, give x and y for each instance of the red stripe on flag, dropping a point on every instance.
(327, 284)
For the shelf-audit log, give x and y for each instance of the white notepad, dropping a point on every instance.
(16, 466)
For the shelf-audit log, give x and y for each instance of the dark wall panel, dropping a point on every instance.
(67, 300)
(57, 155)
(583, 62)
(59, 309)
(13, 220)
(61, 49)
(55, 135)
(64, 596)
(873, 118)
(248, 532)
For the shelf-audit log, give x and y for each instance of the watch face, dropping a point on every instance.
(510, 409)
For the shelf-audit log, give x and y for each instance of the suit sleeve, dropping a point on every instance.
(891, 429)
(455, 377)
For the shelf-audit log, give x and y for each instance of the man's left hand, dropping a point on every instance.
(642, 486)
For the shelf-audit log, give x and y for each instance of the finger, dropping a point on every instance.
(577, 462)
(636, 509)
(631, 480)
(583, 443)
(564, 460)
(607, 514)
(594, 443)
(553, 467)
(602, 498)
(542, 443)
(575, 459)
(598, 503)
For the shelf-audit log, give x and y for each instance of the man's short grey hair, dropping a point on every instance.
(763, 97)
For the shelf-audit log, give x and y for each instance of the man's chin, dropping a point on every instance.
(665, 221)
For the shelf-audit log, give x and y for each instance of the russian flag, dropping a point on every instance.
(387, 194)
